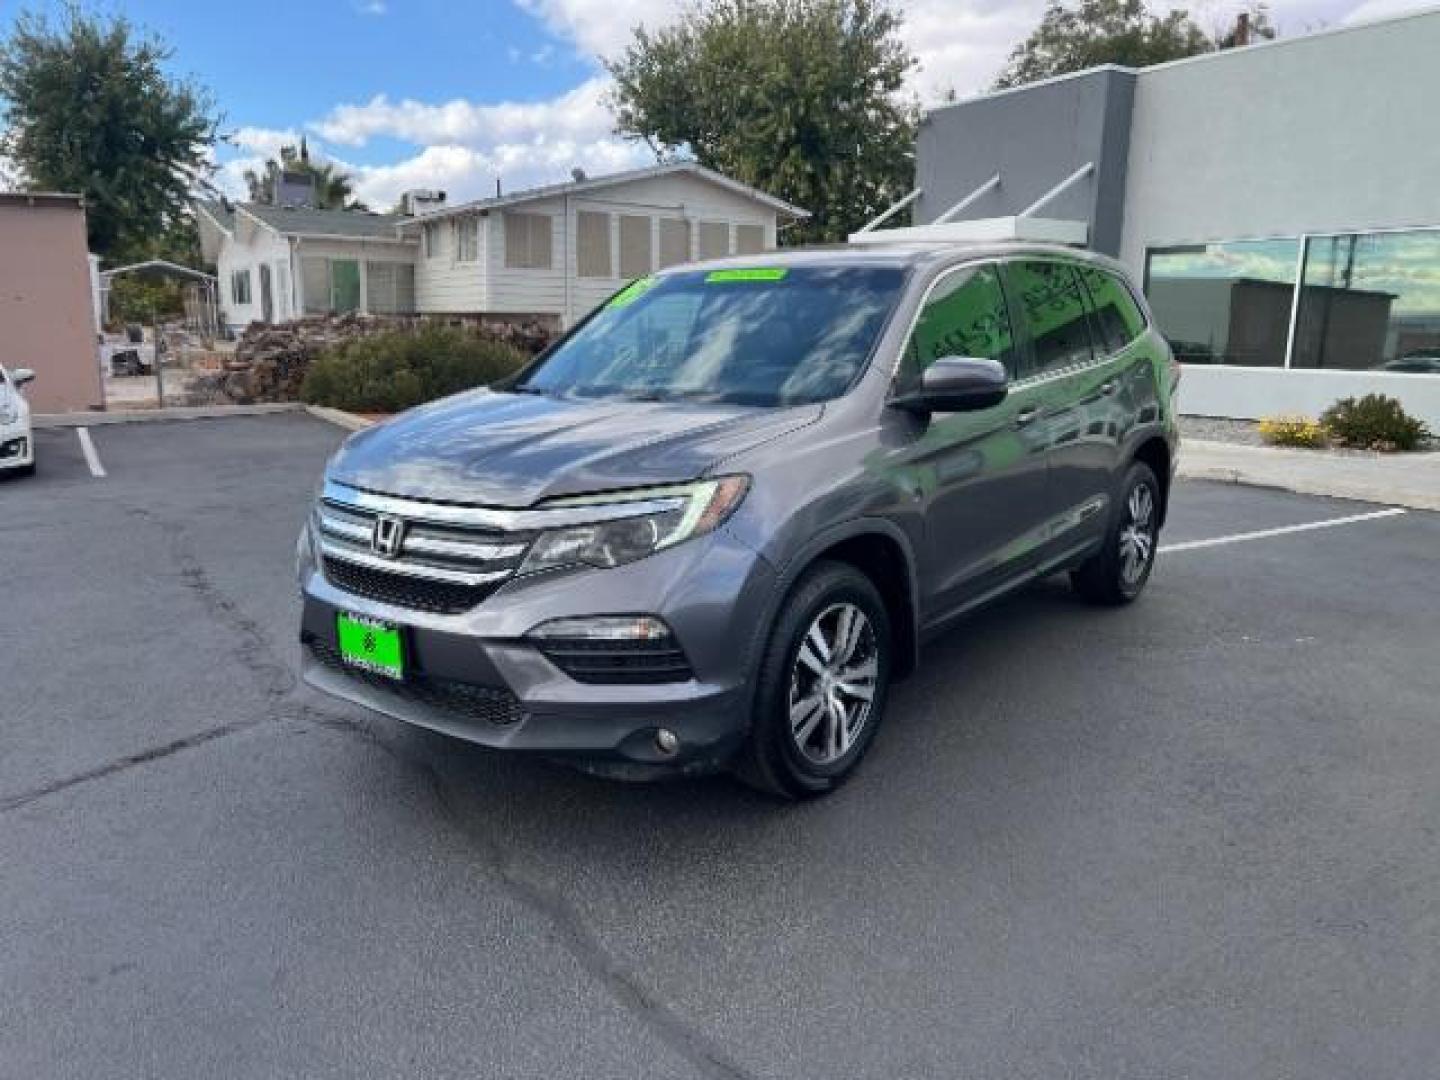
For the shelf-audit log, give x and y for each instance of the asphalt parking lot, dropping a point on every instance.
(1195, 838)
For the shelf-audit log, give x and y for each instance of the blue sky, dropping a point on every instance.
(429, 93)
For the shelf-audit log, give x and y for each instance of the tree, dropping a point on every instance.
(803, 99)
(89, 108)
(333, 190)
(1117, 32)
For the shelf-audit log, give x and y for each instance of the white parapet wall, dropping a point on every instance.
(1252, 393)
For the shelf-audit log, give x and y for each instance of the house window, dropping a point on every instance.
(240, 286)
(467, 239)
(527, 241)
(431, 235)
(389, 288)
(592, 244)
(635, 247)
(749, 239)
(674, 241)
(714, 239)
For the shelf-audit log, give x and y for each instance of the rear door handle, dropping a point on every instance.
(1026, 415)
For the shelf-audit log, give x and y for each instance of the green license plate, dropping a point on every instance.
(371, 645)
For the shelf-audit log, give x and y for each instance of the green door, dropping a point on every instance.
(344, 285)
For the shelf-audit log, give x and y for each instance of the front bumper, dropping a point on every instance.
(476, 677)
(17, 445)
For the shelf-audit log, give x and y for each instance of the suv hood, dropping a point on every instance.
(513, 450)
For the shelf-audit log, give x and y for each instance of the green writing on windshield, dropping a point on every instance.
(756, 273)
(633, 291)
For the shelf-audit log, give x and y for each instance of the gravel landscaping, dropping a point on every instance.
(1217, 429)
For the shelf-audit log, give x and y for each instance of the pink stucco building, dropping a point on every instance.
(47, 316)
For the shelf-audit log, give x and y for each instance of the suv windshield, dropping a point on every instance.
(765, 336)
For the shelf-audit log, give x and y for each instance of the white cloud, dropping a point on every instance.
(601, 27)
(959, 43)
(576, 114)
(465, 173)
(372, 7)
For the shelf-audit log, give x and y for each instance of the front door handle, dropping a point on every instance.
(1107, 388)
(1026, 415)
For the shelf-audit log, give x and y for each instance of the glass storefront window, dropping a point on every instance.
(1225, 303)
(1370, 301)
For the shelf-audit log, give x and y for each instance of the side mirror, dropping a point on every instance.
(21, 376)
(958, 384)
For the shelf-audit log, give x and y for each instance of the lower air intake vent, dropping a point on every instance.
(654, 661)
(483, 704)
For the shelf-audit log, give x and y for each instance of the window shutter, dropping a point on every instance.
(674, 241)
(749, 239)
(592, 244)
(714, 239)
(635, 246)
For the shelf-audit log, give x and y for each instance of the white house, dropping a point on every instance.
(277, 262)
(550, 253)
(555, 252)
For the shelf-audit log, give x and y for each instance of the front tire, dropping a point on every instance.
(824, 681)
(1117, 573)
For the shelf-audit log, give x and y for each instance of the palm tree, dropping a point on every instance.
(331, 189)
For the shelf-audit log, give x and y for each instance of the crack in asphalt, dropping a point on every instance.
(277, 681)
(129, 761)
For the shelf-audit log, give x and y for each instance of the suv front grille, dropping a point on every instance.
(419, 594)
(428, 566)
(484, 704)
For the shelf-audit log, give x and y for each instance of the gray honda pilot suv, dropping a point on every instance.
(712, 524)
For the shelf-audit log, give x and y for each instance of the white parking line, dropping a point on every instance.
(88, 449)
(1263, 534)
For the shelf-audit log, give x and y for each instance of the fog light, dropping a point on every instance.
(666, 741)
(603, 628)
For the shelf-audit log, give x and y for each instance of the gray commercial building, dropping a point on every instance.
(1281, 203)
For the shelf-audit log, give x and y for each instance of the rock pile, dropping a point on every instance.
(270, 362)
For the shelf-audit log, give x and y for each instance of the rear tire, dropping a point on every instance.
(824, 680)
(1117, 573)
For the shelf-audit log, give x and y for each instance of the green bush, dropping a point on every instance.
(392, 371)
(1374, 422)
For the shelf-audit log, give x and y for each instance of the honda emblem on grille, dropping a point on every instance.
(387, 536)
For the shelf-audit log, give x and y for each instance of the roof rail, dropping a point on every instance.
(984, 231)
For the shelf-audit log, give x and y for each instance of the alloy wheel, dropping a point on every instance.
(833, 683)
(1137, 536)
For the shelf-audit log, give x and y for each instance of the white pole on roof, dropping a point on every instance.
(1064, 185)
(869, 226)
(987, 186)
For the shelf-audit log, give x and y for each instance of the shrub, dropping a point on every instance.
(392, 371)
(1374, 422)
(1293, 431)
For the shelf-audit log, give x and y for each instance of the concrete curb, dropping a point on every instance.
(339, 417)
(141, 416)
(1409, 480)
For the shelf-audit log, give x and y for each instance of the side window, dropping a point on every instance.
(964, 316)
(1053, 304)
(1118, 320)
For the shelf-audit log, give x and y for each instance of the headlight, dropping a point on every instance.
(697, 509)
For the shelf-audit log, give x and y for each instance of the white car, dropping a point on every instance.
(17, 442)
